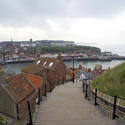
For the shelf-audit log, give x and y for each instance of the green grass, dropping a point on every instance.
(112, 82)
(1, 119)
(65, 49)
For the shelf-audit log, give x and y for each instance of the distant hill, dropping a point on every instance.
(112, 82)
(71, 49)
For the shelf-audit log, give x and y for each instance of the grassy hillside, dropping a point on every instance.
(1, 119)
(76, 49)
(112, 82)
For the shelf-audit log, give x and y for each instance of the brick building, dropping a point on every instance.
(14, 94)
(52, 70)
(38, 84)
(37, 70)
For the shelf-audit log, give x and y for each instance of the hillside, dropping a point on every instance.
(71, 49)
(112, 82)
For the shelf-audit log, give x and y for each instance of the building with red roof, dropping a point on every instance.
(38, 84)
(14, 94)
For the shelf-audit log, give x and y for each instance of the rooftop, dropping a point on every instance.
(19, 86)
(35, 80)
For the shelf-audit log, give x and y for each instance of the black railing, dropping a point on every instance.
(39, 96)
(73, 72)
(95, 97)
(113, 107)
(30, 116)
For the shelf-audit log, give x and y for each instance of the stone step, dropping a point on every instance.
(66, 105)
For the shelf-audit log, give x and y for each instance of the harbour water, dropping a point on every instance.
(17, 67)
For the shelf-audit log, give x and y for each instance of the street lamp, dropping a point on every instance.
(73, 69)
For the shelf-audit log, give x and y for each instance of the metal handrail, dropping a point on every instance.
(112, 104)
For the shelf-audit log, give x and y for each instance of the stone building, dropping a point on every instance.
(14, 94)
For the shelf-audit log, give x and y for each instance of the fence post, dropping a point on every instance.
(39, 96)
(17, 112)
(63, 80)
(114, 108)
(45, 91)
(73, 71)
(95, 97)
(86, 94)
(30, 117)
(57, 81)
(50, 86)
(83, 85)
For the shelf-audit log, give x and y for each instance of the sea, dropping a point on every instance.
(117, 49)
(17, 67)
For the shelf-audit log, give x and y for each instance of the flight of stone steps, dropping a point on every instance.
(66, 105)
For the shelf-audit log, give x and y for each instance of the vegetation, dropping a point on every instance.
(71, 49)
(112, 82)
(1, 119)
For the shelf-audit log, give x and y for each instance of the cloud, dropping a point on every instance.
(21, 12)
(94, 21)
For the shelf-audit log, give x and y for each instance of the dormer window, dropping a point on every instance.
(44, 63)
(38, 62)
(51, 64)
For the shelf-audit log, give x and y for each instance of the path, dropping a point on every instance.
(66, 105)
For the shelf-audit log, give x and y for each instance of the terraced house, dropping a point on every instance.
(52, 70)
(35, 80)
(14, 94)
(38, 84)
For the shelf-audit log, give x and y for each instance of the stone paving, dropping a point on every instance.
(66, 105)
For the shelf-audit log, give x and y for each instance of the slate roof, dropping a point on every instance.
(19, 87)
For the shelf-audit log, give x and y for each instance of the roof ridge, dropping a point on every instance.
(34, 75)
(28, 81)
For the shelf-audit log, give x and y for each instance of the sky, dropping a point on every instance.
(87, 22)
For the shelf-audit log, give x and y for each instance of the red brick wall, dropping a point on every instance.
(23, 106)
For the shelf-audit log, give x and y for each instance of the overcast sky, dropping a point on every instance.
(83, 21)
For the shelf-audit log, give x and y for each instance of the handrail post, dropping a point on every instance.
(95, 97)
(17, 112)
(30, 117)
(63, 80)
(39, 96)
(50, 86)
(57, 81)
(86, 94)
(45, 91)
(114, 108)
(83, 86)
(73, 70)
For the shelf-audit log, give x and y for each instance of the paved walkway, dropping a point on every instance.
(66, 105)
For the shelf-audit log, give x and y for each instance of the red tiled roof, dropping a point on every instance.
(35, 80)
(47, 68)
(19, 86)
